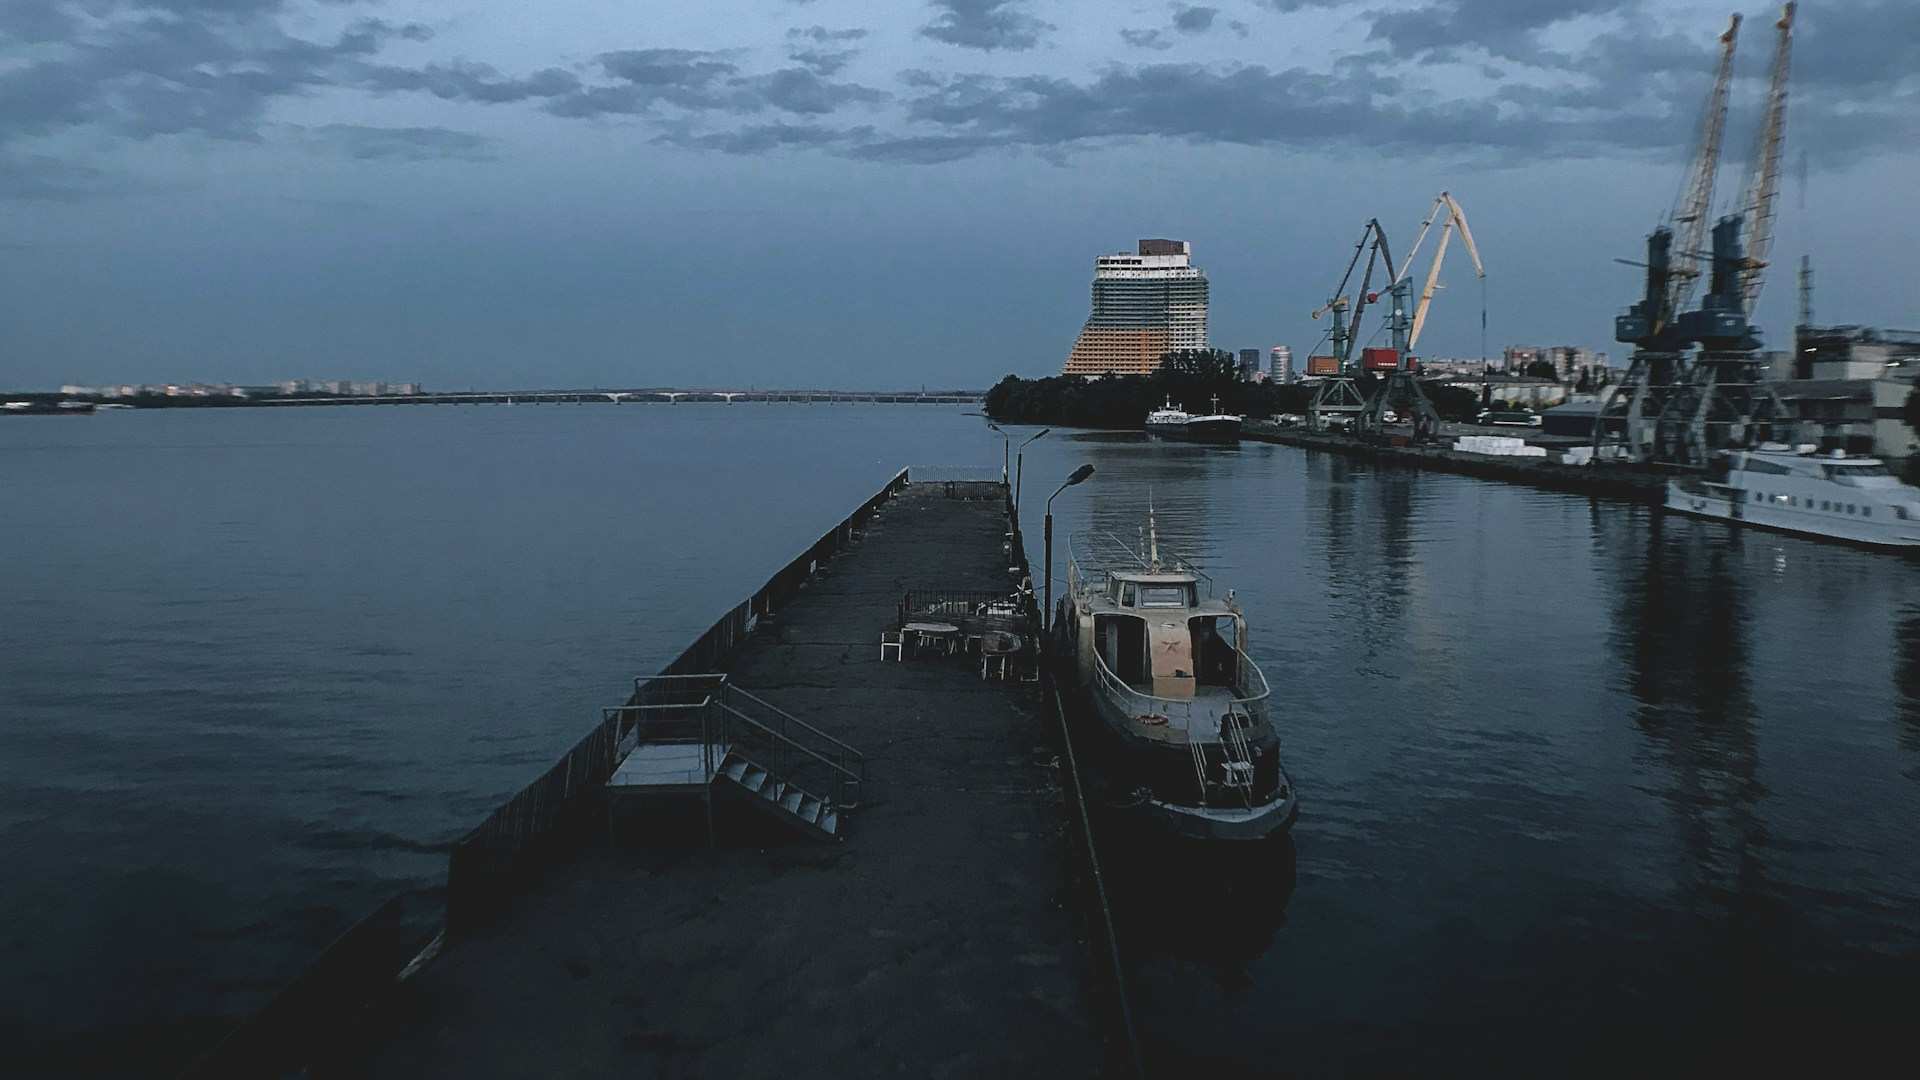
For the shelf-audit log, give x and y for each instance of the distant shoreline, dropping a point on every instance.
(523, 397)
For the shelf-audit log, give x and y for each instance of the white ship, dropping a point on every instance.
(1796, 490)
(1169, 421)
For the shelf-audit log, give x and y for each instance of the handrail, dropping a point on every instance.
(848, 778)
(790, 718)
(1246, 664)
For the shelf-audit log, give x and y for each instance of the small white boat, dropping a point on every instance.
(1796, 490)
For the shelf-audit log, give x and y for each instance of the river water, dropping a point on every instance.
(1578, 779)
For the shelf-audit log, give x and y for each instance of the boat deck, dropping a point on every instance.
(933, 941)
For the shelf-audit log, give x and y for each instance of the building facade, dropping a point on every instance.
(1280, 364)
(1249, 365)
(1145, 304)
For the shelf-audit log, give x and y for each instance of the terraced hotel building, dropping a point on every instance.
(1145, 304)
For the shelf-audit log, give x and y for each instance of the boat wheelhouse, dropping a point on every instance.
(1182, 709)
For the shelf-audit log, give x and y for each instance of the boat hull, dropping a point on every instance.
(1152, 783)
(1204, 429)
(1700, 500)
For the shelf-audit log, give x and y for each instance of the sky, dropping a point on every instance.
(868, 194)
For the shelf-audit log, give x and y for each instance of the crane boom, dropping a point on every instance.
(1763, 182)
(1455, 216)
(1692, 214)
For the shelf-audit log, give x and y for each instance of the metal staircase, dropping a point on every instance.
(691, 735)
(811, 814)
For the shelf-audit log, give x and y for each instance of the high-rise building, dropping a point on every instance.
(1145, 304)
(1249, 364)
(1280, 364)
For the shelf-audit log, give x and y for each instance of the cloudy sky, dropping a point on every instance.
(870, 194)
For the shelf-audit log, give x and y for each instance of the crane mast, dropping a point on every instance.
(1455, 216)
(1763, 181)
(1692, 215)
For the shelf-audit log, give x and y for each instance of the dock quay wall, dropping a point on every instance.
(549, 815)
(538, 824)
(1631, 483)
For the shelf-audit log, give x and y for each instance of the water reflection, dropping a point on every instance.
(1681, 624)
(1906, 677)
(1216, 906)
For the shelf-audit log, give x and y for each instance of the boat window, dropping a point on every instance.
(1755, 464)
(1126, 594)
(1866, 511)
(1849, 508)
(1836, 472)
(1177, 595)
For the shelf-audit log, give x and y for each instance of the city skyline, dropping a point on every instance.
(766, 191)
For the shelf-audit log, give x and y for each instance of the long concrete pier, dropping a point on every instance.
(937, 938)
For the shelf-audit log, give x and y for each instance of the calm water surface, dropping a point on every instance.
(1576, 777)
(1581, 783)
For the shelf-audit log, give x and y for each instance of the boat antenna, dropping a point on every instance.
(1153, 536)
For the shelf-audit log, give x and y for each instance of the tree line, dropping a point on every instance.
(1191, 379)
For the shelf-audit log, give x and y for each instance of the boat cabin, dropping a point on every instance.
(1154, 632)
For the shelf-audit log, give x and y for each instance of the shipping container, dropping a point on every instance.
(1323, 365)
(1380, 359)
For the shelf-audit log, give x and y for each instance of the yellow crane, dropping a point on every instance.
(1444, 204)
(1693, 211)
(1763, 182)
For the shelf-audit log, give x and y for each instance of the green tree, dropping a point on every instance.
(1208, 367)
(1912, 410)
(1541, 369)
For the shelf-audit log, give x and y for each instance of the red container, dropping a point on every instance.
(1380, 359)
(1323, 365)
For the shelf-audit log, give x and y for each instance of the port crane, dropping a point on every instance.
(1627, 425)
(1399, 389)
(1727, 399)
(1338, 399)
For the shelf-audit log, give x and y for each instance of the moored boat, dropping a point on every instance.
(1795, 490)
(1181, 710)
(1172, 422)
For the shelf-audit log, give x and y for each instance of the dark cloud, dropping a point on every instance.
(1504, 28)
(1146, 39)
(765, 138)
(151, 75)
(821, 50)
(1193, 20)
(985, 25)
(464, 80)
(823, 35)
(399, 143)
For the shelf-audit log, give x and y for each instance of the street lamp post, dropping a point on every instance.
(1020, 465)
(1006, 452)
(1080, 474)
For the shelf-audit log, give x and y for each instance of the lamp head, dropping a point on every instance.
(1079, 475)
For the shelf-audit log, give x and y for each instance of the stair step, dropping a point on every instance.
(791, 803)
(734, 768)
(810, 808)
(754, 779)
(772, 792)
(830, 824)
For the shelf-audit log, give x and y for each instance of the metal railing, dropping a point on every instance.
(1250, 693)
(786, 735)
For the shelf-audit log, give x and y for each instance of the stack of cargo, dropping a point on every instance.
(1497, 446)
